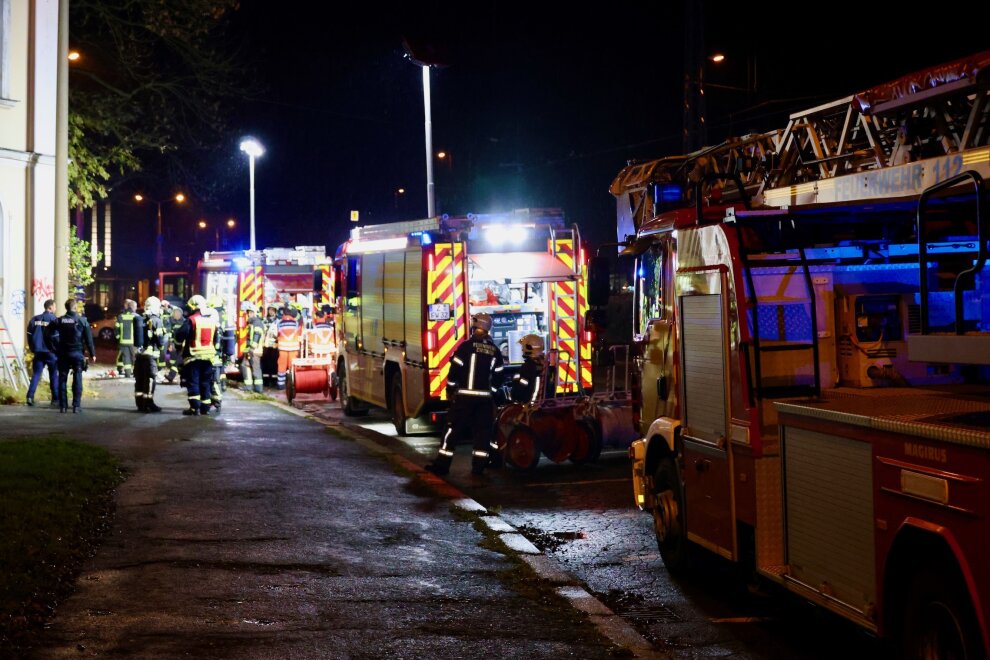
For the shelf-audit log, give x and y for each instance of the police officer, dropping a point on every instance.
(40, 332)
(251, 360)
(72, 337)
(146, 362)
(475, 374)
(198, 338)
(126, 331)
(529, 385)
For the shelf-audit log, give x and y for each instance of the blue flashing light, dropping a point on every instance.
(671, 193)
(640, 272)
(425, 239)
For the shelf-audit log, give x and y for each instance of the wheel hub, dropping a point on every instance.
(665, 515)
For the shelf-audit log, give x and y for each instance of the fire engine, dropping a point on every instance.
(274, 276)
(814, 331)
(406, 292)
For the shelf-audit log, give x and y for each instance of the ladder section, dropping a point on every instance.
(952, 278)
(893, 140)
(13, 366)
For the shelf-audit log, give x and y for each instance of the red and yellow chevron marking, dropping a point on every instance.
(326, 296)
(445, 283)
(251, 288)
(567, 325)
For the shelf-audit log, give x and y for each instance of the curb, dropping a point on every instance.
(609, 624)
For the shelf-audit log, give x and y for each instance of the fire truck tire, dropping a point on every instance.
(522, 449)
(939, 621)
(332, 387)
(351, 406)
(290, 385)
(669, 516)
(398, 407)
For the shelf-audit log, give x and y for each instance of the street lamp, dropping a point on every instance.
(253, 149)
(178, 198)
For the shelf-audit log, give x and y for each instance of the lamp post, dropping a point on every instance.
(178, 198)
(253, 149)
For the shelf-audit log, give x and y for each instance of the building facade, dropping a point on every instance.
(28, 77)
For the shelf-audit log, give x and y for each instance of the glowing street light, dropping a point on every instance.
(253, 149)
(73, 56)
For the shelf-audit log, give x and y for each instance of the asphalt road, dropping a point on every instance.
(584, 517)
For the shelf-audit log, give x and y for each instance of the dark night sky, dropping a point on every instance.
(542, 103)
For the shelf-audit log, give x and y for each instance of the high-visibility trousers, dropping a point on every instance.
(285, 359)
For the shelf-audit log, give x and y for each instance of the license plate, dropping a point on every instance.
(439, 312)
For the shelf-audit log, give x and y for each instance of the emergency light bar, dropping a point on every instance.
(378, 245)
(499, 234)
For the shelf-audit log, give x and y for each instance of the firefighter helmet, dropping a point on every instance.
(215, 301)
(248, 306)
(482, 321)
(153, 306)
(532, 346)
(196, 302)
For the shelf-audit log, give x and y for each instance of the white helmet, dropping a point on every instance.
(153, 306)
(482, 320)
(532, 345)
(248, 306)
(196, 302)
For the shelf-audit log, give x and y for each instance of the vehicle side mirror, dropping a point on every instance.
(599, 271)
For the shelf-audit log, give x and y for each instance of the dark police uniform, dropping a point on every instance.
(73, 337)
(475, 374)
(40, 333)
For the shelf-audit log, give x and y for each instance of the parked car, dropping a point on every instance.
(103, 328)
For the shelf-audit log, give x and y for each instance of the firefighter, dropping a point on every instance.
(221, 356)
(165, 316)
(40, 331)
(178, 317)
(530, 383)
(251, 361)
(269, 353)
(72, 336)
(288, 332)
(125, 331)
(146, 362)
(475, 374)
(168, 362)
(198, 338)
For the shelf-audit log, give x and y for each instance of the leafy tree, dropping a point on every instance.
(81, 263)
(148, 92)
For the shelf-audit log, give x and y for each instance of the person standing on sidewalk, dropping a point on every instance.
(126, 331)
(198, 337)
(146, 362)
(269, 353)
(72, 337)
(475, 374)
(40, 331)
(289, 333)
(251, 360)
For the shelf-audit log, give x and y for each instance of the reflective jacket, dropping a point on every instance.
(154, 335)
(255, 335)
(476, 368)
(530, 383)
(198, 336)
(125, 328)
(289, 334)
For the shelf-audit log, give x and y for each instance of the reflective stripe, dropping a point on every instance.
(470, 380)
(458, 360)
(452, 383)
(480, 454)
(443, 444)
(523, 381)
(536, 389)
(496, 369)
(475, 392)
(445, 452)
(194, 397)
(494, 445)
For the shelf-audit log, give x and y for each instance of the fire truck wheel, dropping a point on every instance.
(398, 406)
(938, 618)
(668, 515)
(290, 386)
(351, 406)
(522, 449)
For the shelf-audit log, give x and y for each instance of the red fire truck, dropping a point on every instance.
(814, 330)
(407, 290)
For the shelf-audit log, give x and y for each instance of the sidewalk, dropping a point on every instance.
(258, 534)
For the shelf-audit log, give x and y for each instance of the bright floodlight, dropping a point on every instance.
(252, 148)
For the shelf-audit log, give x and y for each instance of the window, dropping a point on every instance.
(649, 281)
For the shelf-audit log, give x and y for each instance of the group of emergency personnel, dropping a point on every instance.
(474, 379)
(59, 343)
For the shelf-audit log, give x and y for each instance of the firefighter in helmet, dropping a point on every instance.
(530, 384)
(146, 360)
(224, 338)
(251, 360)
(126, 331)
(475, 374)
(198, 338)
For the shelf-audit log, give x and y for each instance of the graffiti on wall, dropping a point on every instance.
(17, 299)
(42, 289)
